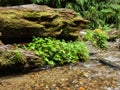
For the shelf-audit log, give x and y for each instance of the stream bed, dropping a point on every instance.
(94, 74)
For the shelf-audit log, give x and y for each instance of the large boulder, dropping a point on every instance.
(26, 21)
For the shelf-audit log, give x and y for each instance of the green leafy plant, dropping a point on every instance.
(101, 38)
(98, 37)
(88, 36)
(56, 52)
(99, 12)
(19, 57)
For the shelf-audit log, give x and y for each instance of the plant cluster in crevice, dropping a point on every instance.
(97, 37)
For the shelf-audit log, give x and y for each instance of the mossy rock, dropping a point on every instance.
(26, 21)
(18, 59)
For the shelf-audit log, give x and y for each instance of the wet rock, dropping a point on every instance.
(112, 61)
(111, 58)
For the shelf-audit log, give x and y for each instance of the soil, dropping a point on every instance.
(89, 75)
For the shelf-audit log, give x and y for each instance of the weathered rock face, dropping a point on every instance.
(15, 59)
(113, 34)
(25, 21)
